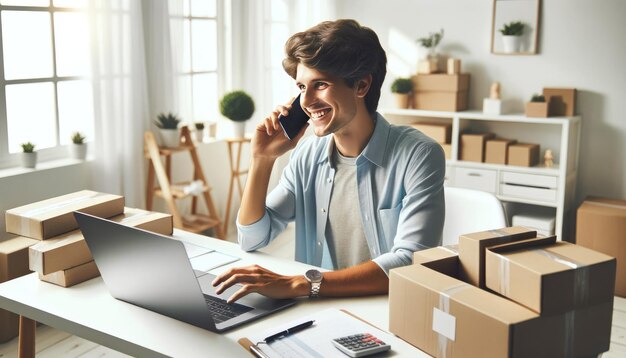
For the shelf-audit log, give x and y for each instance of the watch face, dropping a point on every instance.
(313, 275)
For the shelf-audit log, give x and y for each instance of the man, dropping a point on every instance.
(364, 194)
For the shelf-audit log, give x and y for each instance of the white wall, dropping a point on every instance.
(582, 44)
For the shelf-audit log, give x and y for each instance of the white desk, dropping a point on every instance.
(88, 310)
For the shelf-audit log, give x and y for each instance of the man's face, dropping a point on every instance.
(327, 99)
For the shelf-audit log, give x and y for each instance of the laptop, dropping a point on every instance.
(154, 272)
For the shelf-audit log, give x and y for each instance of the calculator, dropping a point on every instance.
(360, 345)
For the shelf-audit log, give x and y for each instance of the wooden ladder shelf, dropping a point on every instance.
(170, 192)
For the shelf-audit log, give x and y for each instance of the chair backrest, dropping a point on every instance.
(470, 211)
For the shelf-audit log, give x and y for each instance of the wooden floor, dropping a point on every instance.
(52, 343)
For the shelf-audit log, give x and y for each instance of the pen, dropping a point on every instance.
(257, 352)
(289, 331)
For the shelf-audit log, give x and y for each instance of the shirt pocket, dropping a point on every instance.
(389, 222)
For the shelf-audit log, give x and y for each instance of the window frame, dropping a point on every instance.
(58, 151)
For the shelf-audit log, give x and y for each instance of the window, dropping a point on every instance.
(198, 78)
(45, 93)
(277, 31)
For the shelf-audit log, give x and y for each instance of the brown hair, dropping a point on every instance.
(342, 48)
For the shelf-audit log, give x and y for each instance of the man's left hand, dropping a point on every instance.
(261, 280)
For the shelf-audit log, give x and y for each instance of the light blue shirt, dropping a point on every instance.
(400, 177)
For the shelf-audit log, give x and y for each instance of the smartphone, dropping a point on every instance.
(293, 123)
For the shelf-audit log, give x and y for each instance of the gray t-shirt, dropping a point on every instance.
(344, 232)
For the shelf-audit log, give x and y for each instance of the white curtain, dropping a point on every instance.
(133, 81)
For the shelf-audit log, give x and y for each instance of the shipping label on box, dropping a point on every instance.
(70, 249)
(72, 276)
(446, 317)
(600, 225)
(472, 250)
(52, 217)
(550, 279)
(439, 132)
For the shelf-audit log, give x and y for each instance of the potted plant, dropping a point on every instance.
(29, 156)
(402, 88)
(199, 131)
(430, 56)
(78, 149)
(537, 107)
(237, 106)
(168, 128)
(511, 36)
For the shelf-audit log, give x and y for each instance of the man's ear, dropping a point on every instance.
(363, 85)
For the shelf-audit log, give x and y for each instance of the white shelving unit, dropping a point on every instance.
(549, 191)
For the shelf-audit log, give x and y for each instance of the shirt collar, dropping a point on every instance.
(374, 150)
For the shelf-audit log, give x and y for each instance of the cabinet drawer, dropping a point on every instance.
(528, 192)
(478, 179)
(534, 180)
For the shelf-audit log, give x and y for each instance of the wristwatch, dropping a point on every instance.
(315, 278)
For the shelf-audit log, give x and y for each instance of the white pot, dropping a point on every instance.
(238, 129)
(199, 135)
(29, 160)
(170, 137)
(78, 151)
(511, 43)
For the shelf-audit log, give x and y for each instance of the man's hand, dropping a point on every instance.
(261, 280)
(269, 140)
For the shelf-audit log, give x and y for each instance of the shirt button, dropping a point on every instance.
(319, 243)
(367, 218)
(323, 210)
(329, 180)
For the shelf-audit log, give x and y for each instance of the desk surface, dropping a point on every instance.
(88, 310)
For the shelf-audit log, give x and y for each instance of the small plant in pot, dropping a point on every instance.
(237, 106)
(168, 128)
(402, 88)
(199, 131)
(512, 36)
(29, 156)
(430, 57)
(78, 149)
(537, 107)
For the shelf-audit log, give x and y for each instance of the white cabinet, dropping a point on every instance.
(525, 190)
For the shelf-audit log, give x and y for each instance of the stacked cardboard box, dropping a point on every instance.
(65, 258)
(439, 132)
(473, 146)
(600, 225)
(441, 92)
(433, 308)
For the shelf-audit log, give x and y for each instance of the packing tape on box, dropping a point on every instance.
(581, 275)
(134, 216)
(443, 322)
(607, 205)
(27, 215)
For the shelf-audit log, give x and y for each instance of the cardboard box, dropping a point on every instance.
(440, 101)
(537, 109)
(472, 250)
(473, 146)
(70, 250)
(446, 317)
(439, 132)
(427, 66)
(523, 154)
(550, 279)
(447, 150)
(561, 101)
(453, 66)
(13, 264)
(497, 150)
(9, 325)
(52, 217)
(441, 82)
(600, 226)
(72, 276)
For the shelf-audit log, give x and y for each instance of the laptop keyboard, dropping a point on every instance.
(222, 311)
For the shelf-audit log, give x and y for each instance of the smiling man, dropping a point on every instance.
(364, 194)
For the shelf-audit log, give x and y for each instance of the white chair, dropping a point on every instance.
(470, 211)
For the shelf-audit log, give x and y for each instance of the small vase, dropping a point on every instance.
(199, 135)
(239, 129)
(402, 100)
(29, 160)
(170, 137)
(78, 151)
(511, 43)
